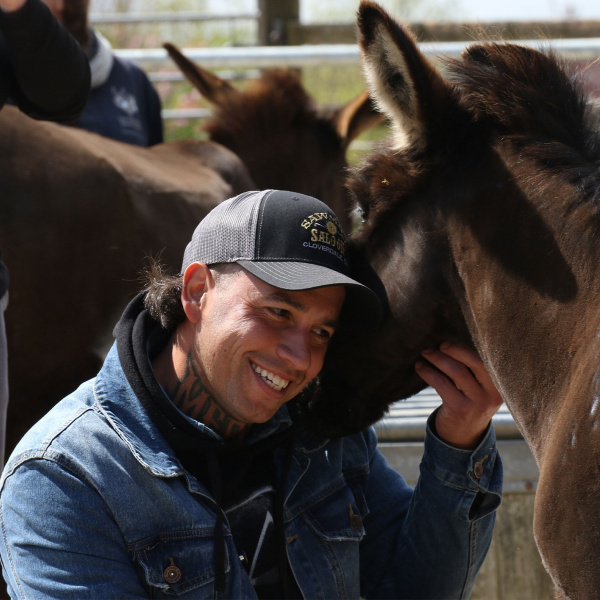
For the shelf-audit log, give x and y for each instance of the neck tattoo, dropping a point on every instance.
(191, 397)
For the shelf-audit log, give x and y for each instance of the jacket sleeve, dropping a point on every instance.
(47, 536)
(50, 72)
(430, 542)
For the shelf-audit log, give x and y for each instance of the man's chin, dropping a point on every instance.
(262, 414)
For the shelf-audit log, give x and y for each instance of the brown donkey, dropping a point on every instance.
(283, 137)
(481, 218)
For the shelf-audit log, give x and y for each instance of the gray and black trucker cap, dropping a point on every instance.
(288, 240)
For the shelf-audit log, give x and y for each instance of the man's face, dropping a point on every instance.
(56, 7)
(257, 346)
(73, 15)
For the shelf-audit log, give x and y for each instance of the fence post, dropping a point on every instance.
(275, 16)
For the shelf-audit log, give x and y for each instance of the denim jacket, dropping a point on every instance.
(94, 504)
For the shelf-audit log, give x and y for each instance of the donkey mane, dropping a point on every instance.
(521, 90)
(534, 98)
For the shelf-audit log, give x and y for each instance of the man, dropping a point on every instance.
(45, 73)
(123, 103)
(182, 470)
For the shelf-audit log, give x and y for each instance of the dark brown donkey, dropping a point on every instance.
(79, 213)
(481, 218)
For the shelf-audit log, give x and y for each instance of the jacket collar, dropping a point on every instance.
(130, 420)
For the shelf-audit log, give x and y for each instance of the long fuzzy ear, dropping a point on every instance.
(213, 88)
(402, 81)
(355, 117)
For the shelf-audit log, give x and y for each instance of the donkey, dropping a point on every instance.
(79, 213)
(481, 216)
(302, 145)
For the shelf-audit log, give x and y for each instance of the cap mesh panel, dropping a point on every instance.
(227, 233)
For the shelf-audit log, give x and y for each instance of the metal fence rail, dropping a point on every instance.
(261, 57)
(406, 419)
(252, 58)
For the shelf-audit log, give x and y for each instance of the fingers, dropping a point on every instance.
(435, 377)
(458, 372)
(469, 396)
(459, 368)
(469, 358)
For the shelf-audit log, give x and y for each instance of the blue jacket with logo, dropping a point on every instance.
(94, 503)
(126, 107)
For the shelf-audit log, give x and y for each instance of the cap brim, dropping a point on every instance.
(361, 302)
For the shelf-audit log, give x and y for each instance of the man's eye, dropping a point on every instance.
(323, 333)
(279, 312)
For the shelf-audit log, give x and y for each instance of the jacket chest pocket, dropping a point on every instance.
(336, 524)
(339, 515)
(176, 563)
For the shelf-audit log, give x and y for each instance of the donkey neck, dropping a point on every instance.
(535, 320)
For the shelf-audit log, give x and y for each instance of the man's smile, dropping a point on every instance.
(273, 381)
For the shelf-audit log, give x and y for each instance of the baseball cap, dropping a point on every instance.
(288, 240)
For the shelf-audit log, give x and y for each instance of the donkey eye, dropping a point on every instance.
(361, 211)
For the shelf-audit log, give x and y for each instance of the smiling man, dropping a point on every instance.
(259, 302)
(183, 468)
(246, 348)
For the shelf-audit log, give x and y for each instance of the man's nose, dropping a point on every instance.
(295, 348)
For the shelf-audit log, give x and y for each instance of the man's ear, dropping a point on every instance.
(196, 281)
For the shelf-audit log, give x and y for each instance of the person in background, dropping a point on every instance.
(187, 468)
(45, 73)
(123, 103)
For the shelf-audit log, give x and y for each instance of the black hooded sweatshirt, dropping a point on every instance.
(240, 476)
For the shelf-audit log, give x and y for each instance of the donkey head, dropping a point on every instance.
(400, 190)
(439, 204)
(283, 138)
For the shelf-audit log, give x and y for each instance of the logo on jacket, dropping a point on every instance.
(125, 101)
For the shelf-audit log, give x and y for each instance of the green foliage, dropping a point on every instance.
(183, 129)
(333, 84)
(336, 85)
(191, 33)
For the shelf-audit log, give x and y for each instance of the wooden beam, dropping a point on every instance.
(276, 19)
(451, 32)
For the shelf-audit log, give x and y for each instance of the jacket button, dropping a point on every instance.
(356, 522)
(172, 574)
(478, 468)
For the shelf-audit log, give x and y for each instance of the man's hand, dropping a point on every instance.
(469, 397)
(11, 5)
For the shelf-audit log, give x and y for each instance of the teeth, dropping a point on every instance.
(273, 381)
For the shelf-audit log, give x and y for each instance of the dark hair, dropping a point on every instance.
(163, 291)
(163, 295)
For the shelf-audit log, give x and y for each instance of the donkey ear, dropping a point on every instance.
(213, 88)
(355, 117)
(404, 84)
